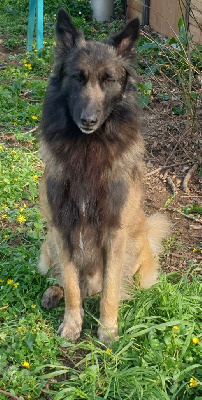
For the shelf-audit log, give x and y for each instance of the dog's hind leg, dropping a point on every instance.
(51, 297)
(148, 270)
(44, 259)
(157, 227)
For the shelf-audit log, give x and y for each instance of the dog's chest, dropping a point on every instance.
(86, 208)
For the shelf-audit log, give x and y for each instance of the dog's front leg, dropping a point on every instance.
(108, 329)
(73, 316)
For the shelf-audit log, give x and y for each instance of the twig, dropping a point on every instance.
(31, 131)
(172, 185)
(188, 177)
(8, 394)
(164, 167)
(67, 355)
(186, 216)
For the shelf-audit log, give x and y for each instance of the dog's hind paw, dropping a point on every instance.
(108, 335)
(52, 297)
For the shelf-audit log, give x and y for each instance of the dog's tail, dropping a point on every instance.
(158, 227)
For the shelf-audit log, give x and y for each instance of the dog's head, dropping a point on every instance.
(93, 75)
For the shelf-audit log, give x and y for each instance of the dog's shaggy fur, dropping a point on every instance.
(91, 192)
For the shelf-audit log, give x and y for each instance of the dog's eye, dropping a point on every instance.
(79, 77)
(107, 80)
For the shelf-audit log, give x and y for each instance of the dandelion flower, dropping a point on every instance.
(14, 123)
(176, 328)
(194, 249)
(5, 236)
(9, 281)
(26, 365)
(15, 284)
(195, 340)
(19, 328)
(15, 179)
(108, 351)
(22, 209)
(24, 61)
(3, 207)
(34, 117)
(4, 216)
(35, 176)
(33, 306)
(1, 147)
(193, 382)
(29, 66)
(21, 218)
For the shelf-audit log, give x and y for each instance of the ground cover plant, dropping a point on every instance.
(158, 354)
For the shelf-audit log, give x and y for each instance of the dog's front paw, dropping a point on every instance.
(108, 335)
(71, 328)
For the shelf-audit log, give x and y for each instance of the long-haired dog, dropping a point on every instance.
(91, 191)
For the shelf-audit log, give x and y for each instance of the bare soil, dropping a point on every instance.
(172, 150)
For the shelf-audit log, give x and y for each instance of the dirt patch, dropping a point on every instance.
(172, 149)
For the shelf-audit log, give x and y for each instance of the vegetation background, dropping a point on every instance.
(158, 354)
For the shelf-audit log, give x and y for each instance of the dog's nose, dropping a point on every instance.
(88, 119)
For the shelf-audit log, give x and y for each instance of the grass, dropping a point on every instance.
(157, 356)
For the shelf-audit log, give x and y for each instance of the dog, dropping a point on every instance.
(98, 236)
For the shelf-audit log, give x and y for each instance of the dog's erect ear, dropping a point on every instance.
(66, 32)
(125, 40)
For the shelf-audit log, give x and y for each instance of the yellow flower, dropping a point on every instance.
(54, 43)
(194, 249)
(195, 340)
(15, 179)
(15, 284)
(176, 328)
(193, 382)
(29, 66)
(1, 147)
(14, 123)
(21, 218)
(33, 306)
(21, 209)
(3, 207)
(24, 61)
(1, 280)
(34, 117)
(26, 365)
(5, 236)
(9, 281)
(108, 351)
(19, 328)
(35, 176)
(4, 216)
(26, 65)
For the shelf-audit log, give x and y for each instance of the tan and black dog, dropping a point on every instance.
(91, 191)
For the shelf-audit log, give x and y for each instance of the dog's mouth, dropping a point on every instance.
(88, 129)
